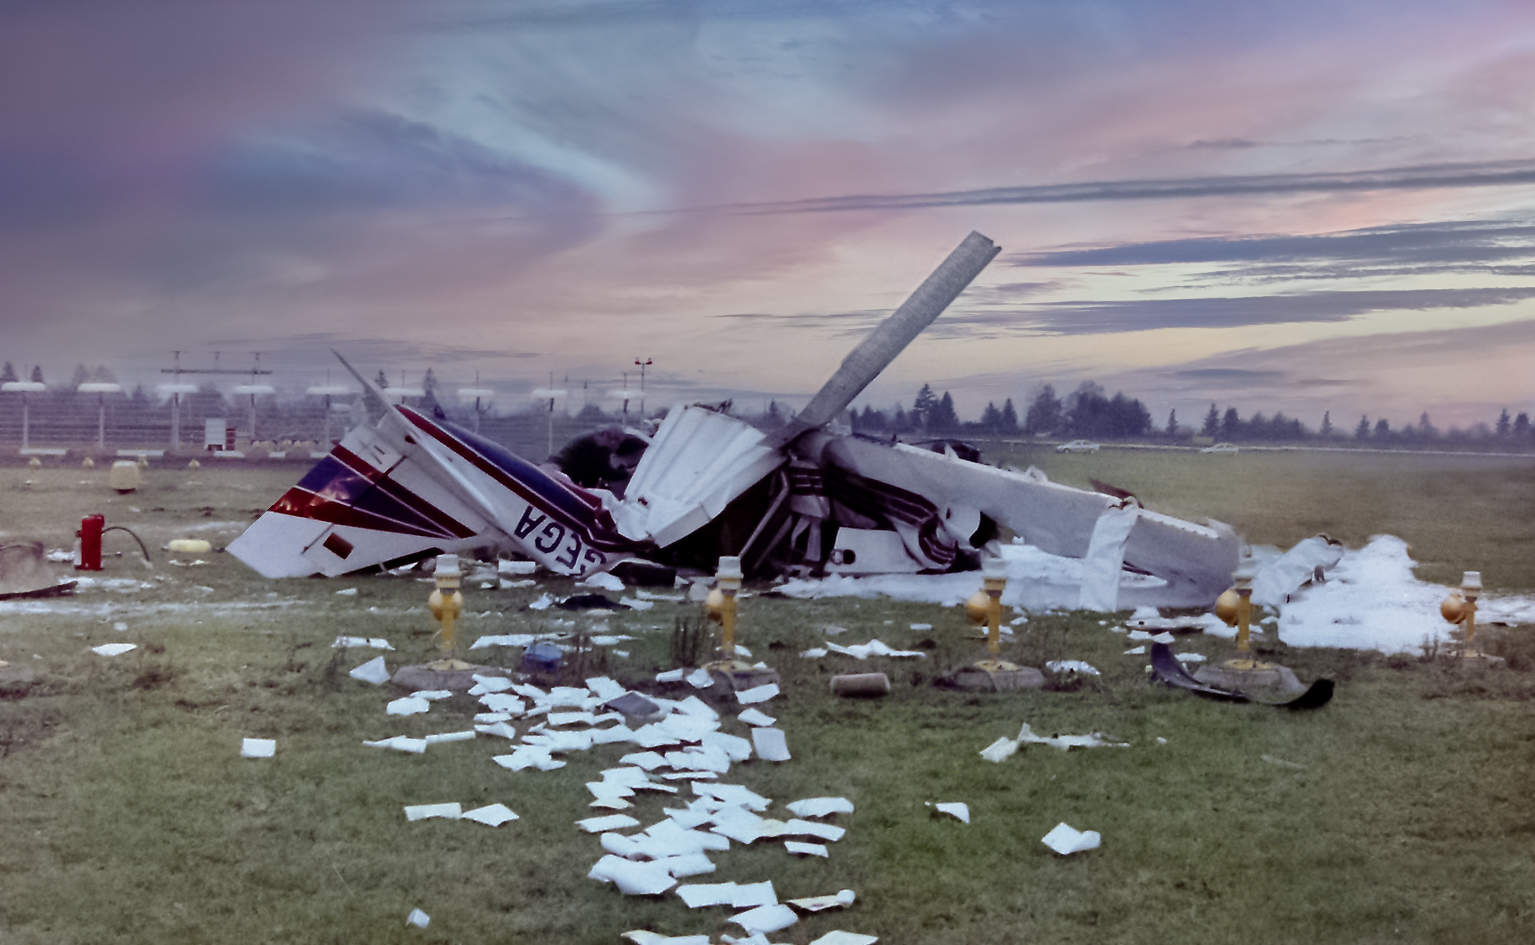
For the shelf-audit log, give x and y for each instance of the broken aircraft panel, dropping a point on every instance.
(799, 499)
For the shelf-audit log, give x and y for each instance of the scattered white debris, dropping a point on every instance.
(671, 675)
(491, 815)
(418, 918)
(373, 671)
(604, 824)
(1067, 840)
(119, 626)
(700, 679)
(516, 567)
(633, 879)
(1281, 763)
(1163, 637)
(863, 651)
(1071, 666)
(377, 643)
(645, 937)
(754, 717)
(845, 897)
(757, 694)
(700, 895)
(956, 809)
(764, 919)
(1161, 740)
(423, 811)
(433, 695)
(1000, 750)
(922, 626)
(603, 580)
(747, 895)
(770, 744)
(449, 737)
(821, 806)
(839, 937)
(1068, 742)
(1136, 651)
(258, 747)
(1191, 657)
(408, 705)
(814, 653)
(543, 603)
(805, 849)
(634, 603)
(405, 743)
(114, 649)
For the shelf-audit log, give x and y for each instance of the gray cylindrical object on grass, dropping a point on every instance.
(860, 684)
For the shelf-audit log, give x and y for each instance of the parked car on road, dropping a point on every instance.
(1078, 446)
(1220, 448)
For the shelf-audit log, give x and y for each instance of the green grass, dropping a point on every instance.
(128, 815)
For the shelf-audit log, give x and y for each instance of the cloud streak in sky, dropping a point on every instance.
(1416, 177)
(1099, 317)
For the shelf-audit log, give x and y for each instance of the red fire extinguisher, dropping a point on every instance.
(88, 543)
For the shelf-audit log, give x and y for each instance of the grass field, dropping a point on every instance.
(1401, 812)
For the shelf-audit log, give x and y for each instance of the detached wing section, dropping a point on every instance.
(1195, 561)
(411, 487)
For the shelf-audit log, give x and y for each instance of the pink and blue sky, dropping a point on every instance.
(1294, 205)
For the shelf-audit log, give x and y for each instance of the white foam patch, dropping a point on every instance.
(1371, 600)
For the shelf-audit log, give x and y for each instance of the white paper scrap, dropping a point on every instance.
(671, 675)
(604, 824)
(433, 695)
(821, 903)
(488, 684)
(418, 918)
(764, 919)
(700, 679)
(699, 895)
(839, 937)
(821, 806)
(770, 744)
(814, 653)
(646, 937)
(408, 705)
(754, 894)
(114, 649)
(757, 694)
(959, 810)
(423, 811)
(810, 828)
(805, 849)
(542, 603)
(697, 708)
(754, 717)
(1066, 840)
(1136, 651)
(415, 746)
(1000, 750)
(640, 879)
(634, 603)
(604, 688)
(450, 737)
(258, 747)
(497, 728)
(373, 671)
(1071, 666)
(491, 815)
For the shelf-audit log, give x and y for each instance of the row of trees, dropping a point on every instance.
(1086, 412)
(1089, 412)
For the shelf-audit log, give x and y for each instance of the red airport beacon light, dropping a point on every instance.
(88, 543)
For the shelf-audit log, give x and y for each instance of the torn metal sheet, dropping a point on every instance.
(1167, 669)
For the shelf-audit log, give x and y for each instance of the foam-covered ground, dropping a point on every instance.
(1371, 599)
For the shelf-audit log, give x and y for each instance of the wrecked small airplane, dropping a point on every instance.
(803, 499)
